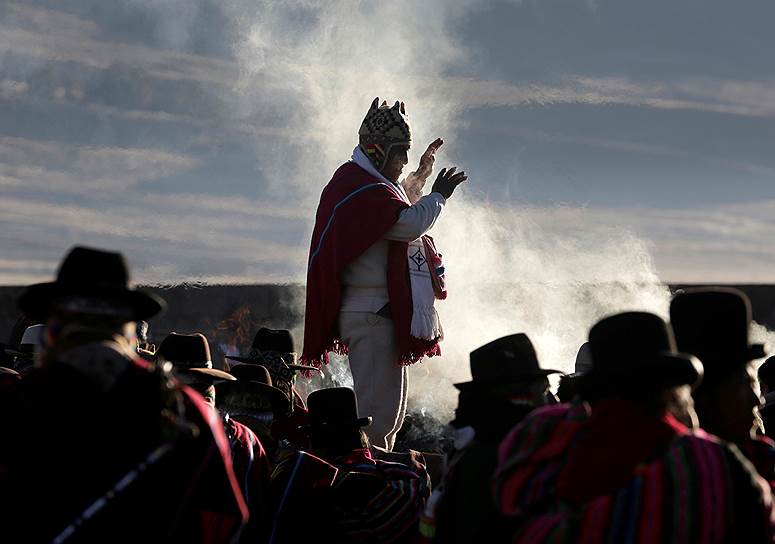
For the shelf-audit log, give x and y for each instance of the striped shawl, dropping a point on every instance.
(698, 490)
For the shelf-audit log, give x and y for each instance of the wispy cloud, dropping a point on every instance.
(737, 97)
(61, 167)
(171, 243)
(55, 36)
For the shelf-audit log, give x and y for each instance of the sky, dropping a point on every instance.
(196, 135)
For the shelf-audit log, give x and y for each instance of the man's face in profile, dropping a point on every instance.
(398, 158)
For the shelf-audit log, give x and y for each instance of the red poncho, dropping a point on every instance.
(356, 210)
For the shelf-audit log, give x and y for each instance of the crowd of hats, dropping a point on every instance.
(633, 353)
(713, 326)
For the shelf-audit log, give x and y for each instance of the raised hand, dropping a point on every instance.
(447, 181)
(427, 160)
(414, 182)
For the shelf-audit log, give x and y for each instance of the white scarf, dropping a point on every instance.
(425, 320)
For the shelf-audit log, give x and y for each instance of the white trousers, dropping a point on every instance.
(378, 379)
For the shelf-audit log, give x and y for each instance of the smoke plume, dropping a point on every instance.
(314, 67)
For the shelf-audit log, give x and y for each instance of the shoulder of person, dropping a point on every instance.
(544, 433)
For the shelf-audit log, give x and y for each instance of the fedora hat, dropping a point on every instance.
(713, 324)
(334, 407)
(190, 354)
(507, 360)
(90, 281)
(637, 351)
(271, 341)
(252, 390)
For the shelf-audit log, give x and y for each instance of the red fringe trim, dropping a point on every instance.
(420, 350)
(321, 359)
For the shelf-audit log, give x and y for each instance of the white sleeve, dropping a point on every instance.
(417, 219)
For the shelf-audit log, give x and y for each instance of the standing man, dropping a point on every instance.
(372, 275)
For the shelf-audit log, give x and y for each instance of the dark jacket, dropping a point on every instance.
(66, 439)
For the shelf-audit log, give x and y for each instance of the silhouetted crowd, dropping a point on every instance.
(659, 436)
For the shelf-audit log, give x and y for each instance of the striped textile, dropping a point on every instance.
(698, 490)
(760, 451)
(378, 501)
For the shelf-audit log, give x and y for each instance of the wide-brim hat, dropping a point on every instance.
(90, 281)
(249, 396)
(272, 341)
(636, 351)
(252, 391)
(189, 354)
(509, 360)
(714, 324)
(212, 375)
(4, 370)
(335, 407)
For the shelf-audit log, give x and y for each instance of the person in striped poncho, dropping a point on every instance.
(370, 500)
(714, 325)
(623, 465)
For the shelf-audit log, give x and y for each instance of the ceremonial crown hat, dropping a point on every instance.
(384, 127)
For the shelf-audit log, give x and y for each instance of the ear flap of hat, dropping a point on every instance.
(374, 104)
(402, 109)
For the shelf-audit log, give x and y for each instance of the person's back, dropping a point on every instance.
(622, 465)
(75, 441)
(98, 445)
(507, 384)
(377, 501)
(696, 489)
(370, 499)
(466, 509)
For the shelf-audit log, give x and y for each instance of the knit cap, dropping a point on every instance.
(382, 128)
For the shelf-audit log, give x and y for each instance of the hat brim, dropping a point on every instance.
(241, 359)
(259, 360)
(473, 384)
(211, 373)
(304, 367)
(279, 401)
(36, 301)
(24, 354)
(668, 370)
(5, 371)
